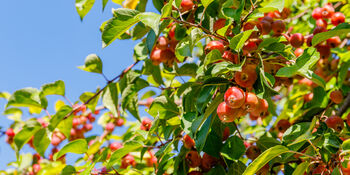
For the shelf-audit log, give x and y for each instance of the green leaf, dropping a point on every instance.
(115, 27)
(183, 49)
(212, 57)
(88, 95)
(150, 19)
(128, 147)
(346, 145)
(94, 148)
(237, 42)
(5, 95)
(78, 146)
(56, 88)
(341, 29)
(301, 135)
(66, 125)
(104, 3)
(203, 133)
(23, 136)
(301, 168)
(217, 170)
(264, 158)
(41, 141)
(188, 69)
(164, 108)
(68, 170)
(110, 98)
(167, 8)
(83, 7)
(233, 148)
(27, 97)
(268, 6)
(59, 116)
(206, 3)
(93, 63)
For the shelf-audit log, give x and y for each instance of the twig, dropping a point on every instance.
(198, 26)
(338, 4)
(47, 112)
(297, 16)
(202, 17)
(245, 18)
(314, 158)
(345, 105)
(68, 100)
(239, 133)
(101, 90)
(343, 43)
(104, 76)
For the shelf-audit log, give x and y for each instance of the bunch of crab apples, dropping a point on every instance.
(238, 103)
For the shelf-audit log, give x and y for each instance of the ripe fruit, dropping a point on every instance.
(171, 33)
(36, 168)
(55, 141)
(336, 96)
(208, 162)
(215, 45)
(319, 169)
(298, 52)
(348, 119)
(110, 127)
(146, 124)
(265, 26)
(76, 122)
(278, 27)
(188, 142)
(296, 40)
(283, 125)
(327, 11)
(249, 25)
(346, 170)
(337, 18)
(115, 145)
(227, 114)
(335, 122)
(229, 56)
(152, 160)
(308, 97)
(309, 41)
(88, 127)
(319, 29)
(119, 122)
(247, 77)
(251, 102)
(325, 51)
(249, 47)
(321, 22)
(252, 152)
(186, 5)
(317, 13)
(195, 173)
(10, 132)
(262, 109)
(234, 97)
(193, 159)
(127, 161)
(162, 43)
(334, 42)
(220, 23)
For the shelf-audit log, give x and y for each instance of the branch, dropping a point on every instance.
(249, 13)
(198, 26)
(101, 90)
(297, 16)
(345, 105)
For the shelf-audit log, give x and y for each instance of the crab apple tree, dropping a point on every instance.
(216, 87)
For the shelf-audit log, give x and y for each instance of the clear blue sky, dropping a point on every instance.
(44, 41)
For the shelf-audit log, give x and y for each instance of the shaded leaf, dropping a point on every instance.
(78, 146)
(93, 63)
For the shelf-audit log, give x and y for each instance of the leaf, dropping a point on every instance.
(93, 64)
(65, 126)
(212, 57)
(264, 158)
(268, 6)
(68, 170)
(301, 168)
(303, 135)
(183, 49)
(59, 116)
(110, 98)
(5, 95)
(150, 19)
(237, 42)
(41, 141)
(203, 133)
(119, 24)
(233, 148)
(188, 69)
(217, 170)
(346, 145)
(83, 7)
(130, 4)
(78, 146)
(341, 29)
(88, 95)
(164, 108)
(104, 3)
(27, 97)
(128, 147)
(56, 88)
(167, 8)
(206, 3)
(23, 136)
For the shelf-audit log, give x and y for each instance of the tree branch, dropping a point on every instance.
(345, 105)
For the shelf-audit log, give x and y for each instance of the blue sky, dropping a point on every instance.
(45, 41)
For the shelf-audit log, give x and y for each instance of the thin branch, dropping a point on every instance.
(245, 18)
(202, 17)
(101, 90)
(104, 76)
(198, 26)
(314, 158)
(345, 105)
(239, 133)
(47, 112)
(297, 16)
